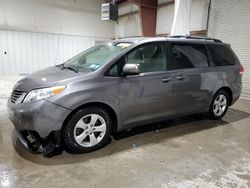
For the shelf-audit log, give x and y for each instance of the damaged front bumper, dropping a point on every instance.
(49, 146)
(40, 116)
(22, 139)
(38, 124)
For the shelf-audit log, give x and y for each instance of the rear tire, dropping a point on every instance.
(89, 129)
(219, 105)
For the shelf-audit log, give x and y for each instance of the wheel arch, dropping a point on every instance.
(229, 92)
(110, 110)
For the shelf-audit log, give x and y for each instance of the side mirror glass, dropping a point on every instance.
(131, 69)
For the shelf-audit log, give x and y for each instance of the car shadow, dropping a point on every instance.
(137, 137)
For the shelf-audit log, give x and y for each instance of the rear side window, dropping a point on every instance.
(221, 55)
(188, 56)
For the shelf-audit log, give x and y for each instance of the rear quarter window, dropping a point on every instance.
(188, 56)
(221, 55)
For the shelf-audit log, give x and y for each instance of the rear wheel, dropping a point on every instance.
(88, 129)
(219, 105)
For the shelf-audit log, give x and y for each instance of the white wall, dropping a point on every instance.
(229, 22)
(130, 25)
(39, 33)
(198, 20)
(126, 8)
(61, 28)
(26, 52)
(73, 17)
(165, 16)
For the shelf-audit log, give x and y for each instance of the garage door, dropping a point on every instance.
(230, 22)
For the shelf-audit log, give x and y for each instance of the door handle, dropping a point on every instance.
(168, 79)
(180, 78)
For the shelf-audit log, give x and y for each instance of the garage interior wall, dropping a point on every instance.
(35, 34)
(181, 23)
(129, 23)
(26, 52)
(229, 22)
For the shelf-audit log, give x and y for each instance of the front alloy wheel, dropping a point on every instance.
(88, 129)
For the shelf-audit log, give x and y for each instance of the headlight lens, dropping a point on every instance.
(39, 94)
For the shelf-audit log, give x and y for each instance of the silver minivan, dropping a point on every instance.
(122, 84)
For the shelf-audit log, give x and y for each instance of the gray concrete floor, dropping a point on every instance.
(186, 152)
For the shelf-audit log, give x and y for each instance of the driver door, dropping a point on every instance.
(147, 96)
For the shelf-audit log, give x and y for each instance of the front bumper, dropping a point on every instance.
(40, 116)
(21, 138)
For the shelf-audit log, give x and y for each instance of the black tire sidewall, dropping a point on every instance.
(68, 131)
(211, 113)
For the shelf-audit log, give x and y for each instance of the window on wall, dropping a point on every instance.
(151, 57)
(188, 56)
(221, 55)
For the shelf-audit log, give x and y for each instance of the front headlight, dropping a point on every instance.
(43, 93)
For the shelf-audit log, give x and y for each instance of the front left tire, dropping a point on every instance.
(89, 129)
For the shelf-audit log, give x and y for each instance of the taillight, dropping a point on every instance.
(241, 70)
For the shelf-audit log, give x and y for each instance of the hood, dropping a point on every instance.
(45, 78)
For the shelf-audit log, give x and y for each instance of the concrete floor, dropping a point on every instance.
(186, 152)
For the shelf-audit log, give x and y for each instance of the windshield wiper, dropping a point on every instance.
(72, 68)
(62, 67)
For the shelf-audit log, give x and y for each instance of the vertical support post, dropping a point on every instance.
(148, 21)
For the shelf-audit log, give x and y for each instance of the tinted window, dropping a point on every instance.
(188, 56)
(221, 55)
(115, 70)
(150, 57)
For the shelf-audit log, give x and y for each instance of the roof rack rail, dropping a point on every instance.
(195, 37)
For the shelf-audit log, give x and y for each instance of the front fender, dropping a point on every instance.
(102, 90)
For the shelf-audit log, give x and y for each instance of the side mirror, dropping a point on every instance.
(131, 69)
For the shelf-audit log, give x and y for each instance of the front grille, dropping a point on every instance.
(15, 95)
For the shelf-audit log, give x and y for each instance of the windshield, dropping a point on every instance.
(95, 57)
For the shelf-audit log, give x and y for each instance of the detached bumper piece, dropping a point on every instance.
(49, 146)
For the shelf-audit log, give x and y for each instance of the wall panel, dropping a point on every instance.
(128, 25)
(229, 21)
(26, 52)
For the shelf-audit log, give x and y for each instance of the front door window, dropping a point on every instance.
(150, 57)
